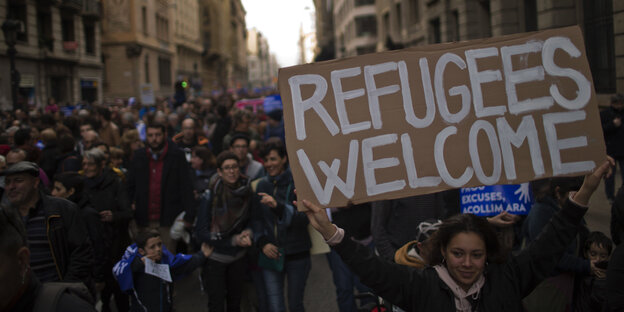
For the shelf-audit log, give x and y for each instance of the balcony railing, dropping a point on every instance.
(70, 46)
(72, 4)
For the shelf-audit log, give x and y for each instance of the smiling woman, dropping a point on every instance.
(467, 265)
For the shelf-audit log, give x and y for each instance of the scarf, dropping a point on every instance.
(230, 207)
(462, 304)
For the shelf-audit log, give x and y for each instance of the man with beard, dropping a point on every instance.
(611, 118)
(159, 183)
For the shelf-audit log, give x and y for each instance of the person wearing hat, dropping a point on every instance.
(611, 119)
(57, 237)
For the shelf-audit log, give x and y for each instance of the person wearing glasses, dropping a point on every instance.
(56, 233)
(223, 223)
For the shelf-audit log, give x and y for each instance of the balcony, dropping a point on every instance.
(71, 4)
(70, 46)
(92, 8)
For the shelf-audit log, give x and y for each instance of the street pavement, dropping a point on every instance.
(320, 291)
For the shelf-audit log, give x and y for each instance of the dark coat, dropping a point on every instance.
(505, 284)
(176, 186)
(107, 192)
(614, 136)
(292, 225)
(68, 239)
(48, 160)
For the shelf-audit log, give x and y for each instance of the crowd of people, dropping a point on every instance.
(118, 201)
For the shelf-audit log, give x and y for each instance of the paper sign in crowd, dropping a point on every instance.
(503, 110)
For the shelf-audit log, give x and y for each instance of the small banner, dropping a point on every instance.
(491, 200)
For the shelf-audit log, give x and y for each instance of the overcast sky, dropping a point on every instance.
(279, 21)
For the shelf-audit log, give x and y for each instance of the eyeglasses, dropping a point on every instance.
(232, 168)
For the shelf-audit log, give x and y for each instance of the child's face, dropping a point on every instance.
(597, 253)
(153, 249)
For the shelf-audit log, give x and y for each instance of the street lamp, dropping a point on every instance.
(10, 29)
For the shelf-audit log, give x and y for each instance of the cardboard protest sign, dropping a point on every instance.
(493, 199)
(502, 110)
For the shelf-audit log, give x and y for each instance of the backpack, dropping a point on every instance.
(51, 293)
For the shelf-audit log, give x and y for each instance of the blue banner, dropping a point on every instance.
(272, 102)
(491, 200)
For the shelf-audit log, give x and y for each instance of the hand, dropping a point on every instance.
(243, 239)
(597, 272)
(592, 180)
(617, 122)
(319, 219)
(106, 216)
(503, 219)
(271, 251)
(268, 200)
(206, 249)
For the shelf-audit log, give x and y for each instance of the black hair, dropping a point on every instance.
(104, 112)
(21, 136)
(71, 180)
(206, 155)
(600, 239)
(273, 144)
(466, 223)
(143, 236)
(239, 136)
(156, 125)
(88, 120)
(66, 143)
(565, 184)
(225, 155)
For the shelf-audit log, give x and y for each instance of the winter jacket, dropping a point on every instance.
(69, 242)
(614, 136)
(148, 292)
(290, 225)
(505, 284)
(533, 225)
(176, 186)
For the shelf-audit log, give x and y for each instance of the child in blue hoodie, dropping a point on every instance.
(147, 271)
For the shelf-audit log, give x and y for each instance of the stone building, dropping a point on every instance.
(224, 39)
(405, 23)
(58, 52)
(138, 47)
(187, 39)
(258, 60)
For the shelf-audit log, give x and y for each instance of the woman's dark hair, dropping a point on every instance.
(206, 155)
(466, 223)
(142, 237)
(600, 239)
(71, 179)
(223, 156)
(565, 184)
(273, 144)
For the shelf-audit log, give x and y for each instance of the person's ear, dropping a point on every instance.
(71, 192)
(557, 189)
(141, 251)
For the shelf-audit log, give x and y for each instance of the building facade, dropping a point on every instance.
(355, 27)
(187, 61)
(224, 40)
(258, 60)
(404, 23)
(138, 47)
(58, 52)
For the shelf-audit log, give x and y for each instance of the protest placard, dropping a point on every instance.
(493, 199)
(502, 110)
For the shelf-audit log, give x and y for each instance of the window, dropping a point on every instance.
(144, 20)
(366, 26)
(17, 11)
(67, 27)
(398, 18)
(44, 29)
(365, 50)
(598, 23)
(164, 71)
(530, 15)
(434, 31)
(146, 68)
(454, 25)
(89, 33)
(414, 12)
(364, 2)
